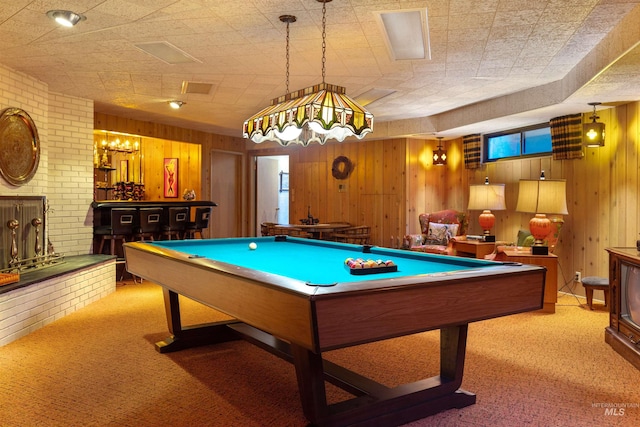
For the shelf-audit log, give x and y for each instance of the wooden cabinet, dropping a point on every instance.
(623, 333)
(473, 248)
(102, 182)
(550, 261)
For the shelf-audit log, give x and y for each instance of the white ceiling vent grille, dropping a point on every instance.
(199, 88)
(167, 52)
(406, 33)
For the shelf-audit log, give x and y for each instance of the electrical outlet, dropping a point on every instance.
(577, 277)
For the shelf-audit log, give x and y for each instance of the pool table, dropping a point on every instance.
(295, 298)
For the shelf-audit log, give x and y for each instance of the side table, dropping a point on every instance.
(473, 248)
(550, 261)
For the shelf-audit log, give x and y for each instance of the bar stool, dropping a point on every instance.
(150, 224)
(121, 228)
(177, 223)
(201, 222)
(592, 283)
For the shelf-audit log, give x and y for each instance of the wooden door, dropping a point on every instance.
(226, 191)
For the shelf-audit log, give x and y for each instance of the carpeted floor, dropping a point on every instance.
(98, 367)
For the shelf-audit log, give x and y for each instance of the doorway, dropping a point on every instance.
(272, 190)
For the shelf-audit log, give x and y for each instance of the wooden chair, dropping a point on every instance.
(121, 228)
(446, 221)
(289, 231)
(150, 223)
(267, 228)
(359, 235)
(297, 232)
(201, 222)
(178, 217)
(340, 225)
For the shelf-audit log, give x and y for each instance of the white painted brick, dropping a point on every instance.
(65, 128)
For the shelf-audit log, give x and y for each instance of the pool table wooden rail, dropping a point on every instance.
(327, 318)
(432, 303)
(281, 309)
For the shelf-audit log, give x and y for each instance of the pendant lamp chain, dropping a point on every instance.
(287, 90)
(324, 39)
(288, 19)
(313, 114)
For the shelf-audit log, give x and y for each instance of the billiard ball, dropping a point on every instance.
(253, 246)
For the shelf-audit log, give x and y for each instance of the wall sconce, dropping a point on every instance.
(593, 133)
(176, 104)
(66, 18)
(487, 197)
(440, 155)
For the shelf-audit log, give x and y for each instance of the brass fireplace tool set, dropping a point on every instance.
(39, 260)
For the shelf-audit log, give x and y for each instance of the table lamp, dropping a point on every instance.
(542, 197)
(486, 197)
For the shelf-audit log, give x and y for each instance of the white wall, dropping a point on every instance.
(65, 177)
(27, 309)
(65, 170)
(70, 170)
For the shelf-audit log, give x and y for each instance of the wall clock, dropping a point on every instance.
(19, 146)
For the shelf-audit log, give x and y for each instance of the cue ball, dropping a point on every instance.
(253, 246)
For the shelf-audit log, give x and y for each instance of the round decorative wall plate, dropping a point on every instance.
(19, 146)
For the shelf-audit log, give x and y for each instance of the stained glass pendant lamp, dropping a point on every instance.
(314, 114)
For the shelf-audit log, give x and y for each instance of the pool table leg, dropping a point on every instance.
(375, 403)
(184, 336)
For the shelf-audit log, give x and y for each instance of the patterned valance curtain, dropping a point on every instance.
(472, 145)
(566, 137)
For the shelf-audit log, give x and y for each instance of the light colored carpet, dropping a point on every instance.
(98, 367)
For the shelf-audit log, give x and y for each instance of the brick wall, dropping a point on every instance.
(21, 91)
(24, 310)
(65, 177)
(70, 170)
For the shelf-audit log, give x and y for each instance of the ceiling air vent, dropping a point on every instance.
(406, 33)
(167, 52)
(196, 87)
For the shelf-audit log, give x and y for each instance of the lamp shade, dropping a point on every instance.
(548, 196)
(326, 108)
(486, 196)
(314, 114)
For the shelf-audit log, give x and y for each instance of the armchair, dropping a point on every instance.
(438, 231)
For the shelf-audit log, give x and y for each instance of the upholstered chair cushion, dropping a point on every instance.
(438, 230)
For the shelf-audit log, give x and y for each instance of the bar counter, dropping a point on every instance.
(110, 204)
(102, 211)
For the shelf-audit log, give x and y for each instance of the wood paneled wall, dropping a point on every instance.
(602, 196)
(189, 164)
(374, 194)
(394, 181)
(432, 188)
(171, 141)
